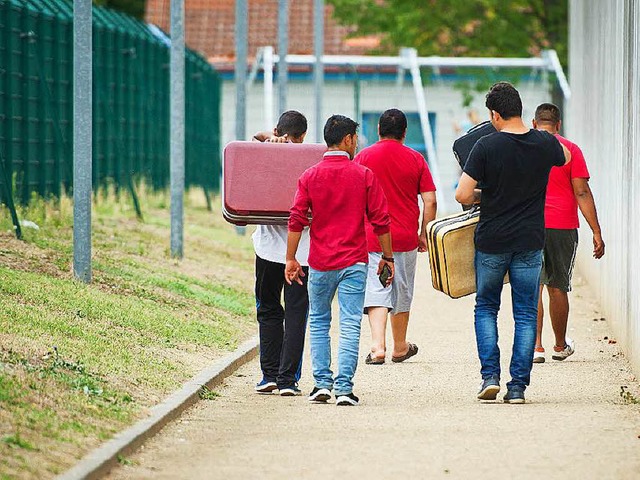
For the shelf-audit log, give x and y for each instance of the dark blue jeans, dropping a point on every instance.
(524, 275)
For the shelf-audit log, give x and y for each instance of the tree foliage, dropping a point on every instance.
(485, 28)
(135, 8)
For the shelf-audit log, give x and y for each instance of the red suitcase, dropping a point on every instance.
(259, 180)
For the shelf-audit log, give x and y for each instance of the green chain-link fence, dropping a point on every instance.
(130, 103)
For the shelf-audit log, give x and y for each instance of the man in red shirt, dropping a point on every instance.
(404, 175)
(568, 189)
(339, 194)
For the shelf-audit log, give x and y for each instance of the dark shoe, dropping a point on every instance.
(370, 360)
(290, 391)
(514, 395)
(265, 386)
(413, 349)
(320, 395)
(489, 388)
(349, 400)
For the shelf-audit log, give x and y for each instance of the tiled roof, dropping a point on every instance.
(210, 26)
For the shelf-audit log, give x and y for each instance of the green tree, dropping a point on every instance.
(485, 28)
(135, 8)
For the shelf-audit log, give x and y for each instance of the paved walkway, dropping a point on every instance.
(421, 419)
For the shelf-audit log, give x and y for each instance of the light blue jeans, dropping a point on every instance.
(524, 276)
(350, 283)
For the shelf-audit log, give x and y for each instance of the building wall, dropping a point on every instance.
(375, 95)
(604, 119)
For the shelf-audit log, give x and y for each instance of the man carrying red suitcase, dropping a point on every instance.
(512, 166)
(338, 193)
(568, 189)
(280, 348)
(404, 176)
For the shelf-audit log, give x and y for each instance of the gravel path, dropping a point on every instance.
(421, 418)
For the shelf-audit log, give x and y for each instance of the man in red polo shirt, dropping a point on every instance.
(404, 175)
(339, 194)
(568, 189)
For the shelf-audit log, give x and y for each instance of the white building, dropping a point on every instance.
(604, 120)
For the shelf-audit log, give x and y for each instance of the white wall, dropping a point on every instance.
(442, 98)
(604, 119)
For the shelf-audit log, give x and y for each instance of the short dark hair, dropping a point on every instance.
(338, 127)
(504, 99)
(291, 123)
(393, 124)
(547, 113)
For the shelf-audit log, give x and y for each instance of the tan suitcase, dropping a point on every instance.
(451, 253)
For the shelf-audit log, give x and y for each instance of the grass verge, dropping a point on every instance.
(78, 362)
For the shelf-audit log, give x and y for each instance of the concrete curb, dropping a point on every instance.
(97, 463)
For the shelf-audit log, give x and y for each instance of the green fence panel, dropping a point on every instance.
(130, 110)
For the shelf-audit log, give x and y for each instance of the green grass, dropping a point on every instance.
(15, 441)
(79, 362)
(206, 393)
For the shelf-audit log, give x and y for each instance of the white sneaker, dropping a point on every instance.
(569, 349)
(538, 357)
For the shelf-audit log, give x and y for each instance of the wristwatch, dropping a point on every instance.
(388, 259)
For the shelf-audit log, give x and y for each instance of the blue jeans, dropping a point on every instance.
(524, 275)
(350, 283)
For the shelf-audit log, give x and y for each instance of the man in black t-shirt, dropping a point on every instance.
(512, 167)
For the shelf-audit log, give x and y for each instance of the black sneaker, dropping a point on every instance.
(349, 400)
(290, 391)
(514, 395)
(321, 395)
(489, 388)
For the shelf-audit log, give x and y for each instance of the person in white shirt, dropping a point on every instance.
(282, 329)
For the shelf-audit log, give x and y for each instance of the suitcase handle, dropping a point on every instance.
(475, 207)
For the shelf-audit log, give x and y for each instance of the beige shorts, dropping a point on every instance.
(398, 296)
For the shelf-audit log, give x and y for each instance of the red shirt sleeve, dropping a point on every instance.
(578, 163)
(426, 180)
(377, 209)
(298, 218)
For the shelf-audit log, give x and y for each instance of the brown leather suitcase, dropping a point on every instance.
(259, 180)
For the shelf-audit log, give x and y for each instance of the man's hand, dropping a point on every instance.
(422, 243)
(292, 272)
(276, 139)
(466, 191)
(391, 266)
(598, 246)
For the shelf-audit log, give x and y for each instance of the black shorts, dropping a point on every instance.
(559, 257)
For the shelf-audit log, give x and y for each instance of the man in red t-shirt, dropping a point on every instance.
(340, 195)
(568, 189)
(404, 175)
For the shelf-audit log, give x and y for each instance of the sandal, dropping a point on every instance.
(413, 349)
(373, 360)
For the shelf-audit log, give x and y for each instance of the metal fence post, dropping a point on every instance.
(82, 138)
(241, 69)
(177, 127)
(283, 47)
(318, 72)
(5, 183)
(267, 64)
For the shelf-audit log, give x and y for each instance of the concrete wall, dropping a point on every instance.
(604, 119)
(377, 96)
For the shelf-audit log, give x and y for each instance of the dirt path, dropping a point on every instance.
(421, 418)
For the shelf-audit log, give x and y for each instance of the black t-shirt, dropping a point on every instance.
(512, 170)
